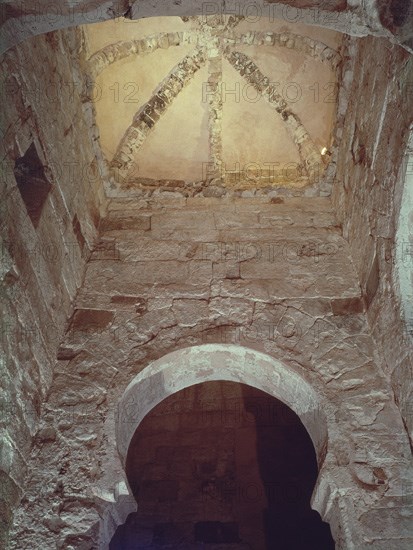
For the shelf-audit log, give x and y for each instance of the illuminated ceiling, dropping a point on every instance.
(242, 103)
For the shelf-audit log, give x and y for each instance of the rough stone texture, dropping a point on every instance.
(44, 243)
(167, 288)
(368, 190)
(297, 294)
(404, 239)
(120, 50)
(391, 18)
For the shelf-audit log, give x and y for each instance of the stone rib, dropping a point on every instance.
(309, 153)
(303, 44)
(147, 116)
(100, 60)
(120, 50)
(214, 100)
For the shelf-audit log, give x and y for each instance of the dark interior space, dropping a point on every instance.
(222, 465)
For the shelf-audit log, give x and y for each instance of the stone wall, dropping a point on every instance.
(274, 277)
(373, 135)
(309, 282)
(21, 20)
(49, 210)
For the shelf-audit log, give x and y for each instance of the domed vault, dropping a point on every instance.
(242, 102)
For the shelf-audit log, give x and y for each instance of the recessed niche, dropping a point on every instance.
(32, 183)
(77, 230)
(373, 281)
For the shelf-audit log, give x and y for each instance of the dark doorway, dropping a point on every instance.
(222, 466)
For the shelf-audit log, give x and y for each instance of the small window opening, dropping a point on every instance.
(32, 183)
(77, 230)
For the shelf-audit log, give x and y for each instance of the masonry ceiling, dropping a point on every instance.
(238, 101)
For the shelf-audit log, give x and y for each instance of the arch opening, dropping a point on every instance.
(212, 362)
(222, 463)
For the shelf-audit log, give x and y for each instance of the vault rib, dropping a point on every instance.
(112, 53)
(302, 44)
(309, 153)
(214, 100)
(147, 116)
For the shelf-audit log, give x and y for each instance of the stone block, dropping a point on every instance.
(347, 306)
(86, 320)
